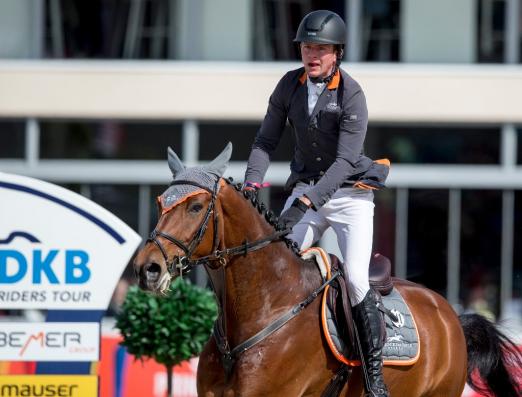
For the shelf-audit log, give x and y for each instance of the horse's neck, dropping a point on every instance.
(263, 283)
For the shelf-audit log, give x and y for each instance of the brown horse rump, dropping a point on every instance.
(402, 338)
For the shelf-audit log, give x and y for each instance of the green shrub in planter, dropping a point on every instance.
(170, 329)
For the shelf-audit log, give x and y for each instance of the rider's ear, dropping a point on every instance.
(175, 164)
(220, 163)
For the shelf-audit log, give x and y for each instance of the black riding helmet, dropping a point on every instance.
(321, 27)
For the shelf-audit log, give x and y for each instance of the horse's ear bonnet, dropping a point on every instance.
(205, 175)
(175, 164)
(220, 163)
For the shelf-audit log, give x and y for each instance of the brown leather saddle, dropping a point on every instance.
(379, 272)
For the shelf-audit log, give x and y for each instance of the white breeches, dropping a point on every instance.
(350, 214)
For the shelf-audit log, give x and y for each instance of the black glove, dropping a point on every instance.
(292, 215)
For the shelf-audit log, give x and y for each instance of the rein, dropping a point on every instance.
(185, 264)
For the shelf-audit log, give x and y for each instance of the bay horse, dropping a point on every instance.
(258, 278)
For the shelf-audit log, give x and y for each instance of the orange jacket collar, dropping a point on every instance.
(332, 85)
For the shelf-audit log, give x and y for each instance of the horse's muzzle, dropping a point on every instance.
(149, 276)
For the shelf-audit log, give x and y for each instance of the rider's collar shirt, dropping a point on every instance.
(314, 92)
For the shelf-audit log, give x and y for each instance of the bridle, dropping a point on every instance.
(186, 263)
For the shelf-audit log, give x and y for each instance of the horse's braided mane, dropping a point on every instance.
(269, 215)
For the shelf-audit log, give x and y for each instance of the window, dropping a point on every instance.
(384, 223)
(481, 232)
(155, 191)
(276, 23)
(519, 146)
(13, 139)
(242, 135)
(107, 29)
(434, 144)
(108, 139)
(491, 30)
(517, 250)
(380, 31)
(520, 33)
(427, 238)
(121, 200)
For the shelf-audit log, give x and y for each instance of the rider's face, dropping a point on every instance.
(318, 59)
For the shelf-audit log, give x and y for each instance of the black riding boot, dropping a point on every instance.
(370, 327)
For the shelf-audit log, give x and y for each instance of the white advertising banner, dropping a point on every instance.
(49, 341)
(58, 250)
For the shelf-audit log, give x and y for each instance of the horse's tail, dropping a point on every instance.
(493, 355)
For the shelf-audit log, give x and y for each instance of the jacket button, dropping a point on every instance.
(318, 159)
(321, 173)
(314, 144)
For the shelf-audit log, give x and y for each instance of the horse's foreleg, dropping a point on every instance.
(210, 375)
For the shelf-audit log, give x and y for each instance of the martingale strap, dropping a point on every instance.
(229, 356)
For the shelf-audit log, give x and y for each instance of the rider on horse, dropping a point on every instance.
(332, 182)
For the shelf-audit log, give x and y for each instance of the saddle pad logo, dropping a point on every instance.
(396, 338)
(400, 318)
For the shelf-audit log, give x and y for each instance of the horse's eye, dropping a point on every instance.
(195, 208)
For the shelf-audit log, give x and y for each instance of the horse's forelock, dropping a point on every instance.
(177, 193)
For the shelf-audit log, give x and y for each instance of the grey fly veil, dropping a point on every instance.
(204, 176)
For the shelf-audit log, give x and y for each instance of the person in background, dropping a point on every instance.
(332, 181)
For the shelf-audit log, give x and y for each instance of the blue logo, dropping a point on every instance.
(42, 263)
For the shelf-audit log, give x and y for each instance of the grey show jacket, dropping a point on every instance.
(329, 142)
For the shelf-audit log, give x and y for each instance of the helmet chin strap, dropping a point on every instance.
(327, 79)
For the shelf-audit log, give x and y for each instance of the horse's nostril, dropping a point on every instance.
(152, 272)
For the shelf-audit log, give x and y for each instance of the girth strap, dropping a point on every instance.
(337, 382)
(229, 357)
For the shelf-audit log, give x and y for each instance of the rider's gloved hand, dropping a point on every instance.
(294, 214)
